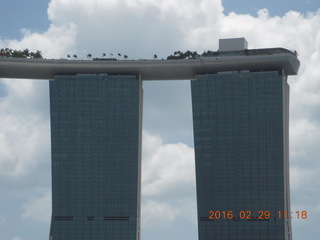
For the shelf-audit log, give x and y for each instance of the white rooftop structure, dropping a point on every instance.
(232, 44)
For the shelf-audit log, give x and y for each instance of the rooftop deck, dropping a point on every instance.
(183, 69)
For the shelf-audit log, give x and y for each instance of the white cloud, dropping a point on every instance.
(159, 213)
(136, 28)
(168, 184)
(305, 136)
(54, 43)
(16, 238)
(150, 145)
(305, 166)
(24, 128)
(170, 169)
(2, 221)
(38, 209)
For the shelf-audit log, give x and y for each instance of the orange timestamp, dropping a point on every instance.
(263, 215)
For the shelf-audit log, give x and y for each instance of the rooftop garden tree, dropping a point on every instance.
(26, 53)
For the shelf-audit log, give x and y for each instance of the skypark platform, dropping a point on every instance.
(182, 69)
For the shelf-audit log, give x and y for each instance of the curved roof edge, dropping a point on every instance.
(148, 69)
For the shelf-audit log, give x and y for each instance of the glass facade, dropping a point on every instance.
(96, 158)
(241, 149)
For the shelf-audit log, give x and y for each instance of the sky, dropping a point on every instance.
(140, 29)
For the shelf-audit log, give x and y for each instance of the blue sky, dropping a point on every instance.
(276, 7)
(138, 30)
(18, 14)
